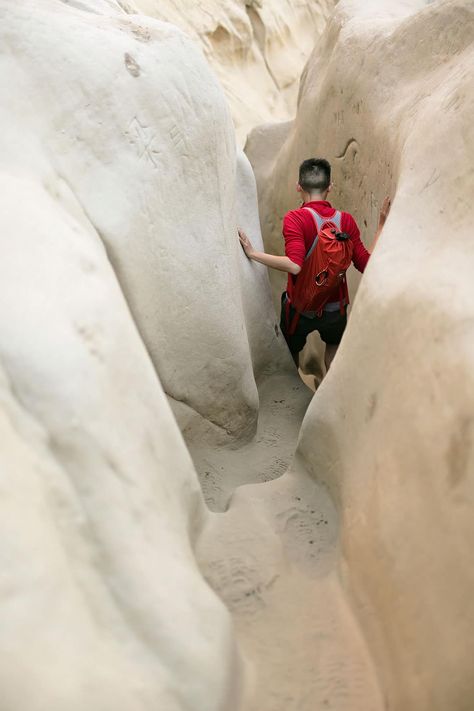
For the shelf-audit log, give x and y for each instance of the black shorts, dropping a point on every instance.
(330, 326)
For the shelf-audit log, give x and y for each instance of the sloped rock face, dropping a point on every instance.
(120, 263)
(99, 496)
(121, 191)
(388, 98)
(156, 180)
(257, 48)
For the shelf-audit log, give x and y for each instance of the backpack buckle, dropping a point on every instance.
(321, 278)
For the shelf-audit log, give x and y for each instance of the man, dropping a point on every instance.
(299, 231)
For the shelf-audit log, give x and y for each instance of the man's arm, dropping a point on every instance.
(384, 210)
(360, 255)
(283, 264)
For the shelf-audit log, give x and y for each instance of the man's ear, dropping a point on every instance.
(299, 189)
(331, 185)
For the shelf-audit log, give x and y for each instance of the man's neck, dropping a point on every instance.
(314, 197)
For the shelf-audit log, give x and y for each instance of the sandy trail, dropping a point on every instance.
(283, 403)
(272, 557)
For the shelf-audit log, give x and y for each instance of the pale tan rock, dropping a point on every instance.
(99, 496)
(101, 508)
(157, 181)
(100, 502)
(256, 47)
(388, 98)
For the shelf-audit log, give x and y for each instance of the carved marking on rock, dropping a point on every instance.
(458, 452)
(142, 34)
(131, 65)
(350, 143)
(435, 176)
(143, 138)
(177, 137)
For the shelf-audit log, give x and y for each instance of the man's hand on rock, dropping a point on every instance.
(384, 210)
(246, 244)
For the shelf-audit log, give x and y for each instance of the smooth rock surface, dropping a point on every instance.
(99, 496)
(100, 500)
(257, 48)
(155, 179)
(388, 98)
(121, 191)
(128, 245)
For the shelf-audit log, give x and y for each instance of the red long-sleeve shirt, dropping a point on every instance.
(299, 231)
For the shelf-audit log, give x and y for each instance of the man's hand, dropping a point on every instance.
(283, 264)
(246, 244)
(384, 210)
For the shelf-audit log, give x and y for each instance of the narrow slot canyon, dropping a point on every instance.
(189, 523)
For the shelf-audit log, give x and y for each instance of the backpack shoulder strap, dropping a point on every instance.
(337, 219)
(319, 220)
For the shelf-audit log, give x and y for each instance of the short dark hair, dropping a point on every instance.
(315, 175)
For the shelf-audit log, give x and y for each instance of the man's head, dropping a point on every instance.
(314, 177)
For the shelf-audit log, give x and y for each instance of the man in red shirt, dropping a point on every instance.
(299, 231)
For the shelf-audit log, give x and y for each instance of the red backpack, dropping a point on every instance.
(323, 270)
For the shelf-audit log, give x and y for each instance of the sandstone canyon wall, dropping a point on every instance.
(125, 299)
(121, 188)
(256, 47)
(157, 182)
(388, 98)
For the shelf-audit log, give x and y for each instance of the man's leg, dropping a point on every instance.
(331, 329)
(329, 354)
(297, 340)
(295, 343)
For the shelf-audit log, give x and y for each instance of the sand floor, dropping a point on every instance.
(272, 556)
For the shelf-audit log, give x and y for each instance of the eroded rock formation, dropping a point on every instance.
(123, 291)
(256, 47)
(388, 98)
(118, 199)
